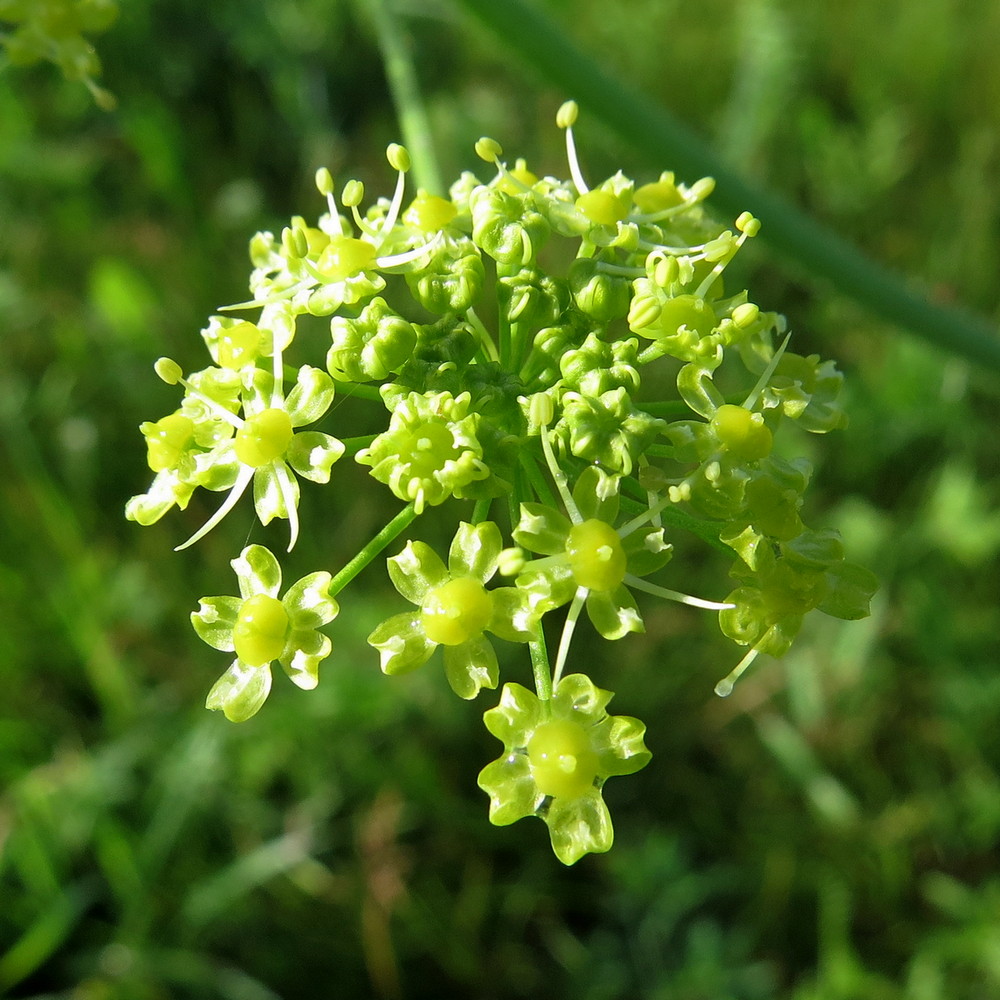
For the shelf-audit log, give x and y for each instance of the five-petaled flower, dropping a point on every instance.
(260, 628)
(455, 610)
(557, 756)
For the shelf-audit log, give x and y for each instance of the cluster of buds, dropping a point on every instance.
(53, 31)
(561, 365)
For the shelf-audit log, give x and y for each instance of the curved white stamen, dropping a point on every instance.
(574, 163)
(751, 401)
(242, 481)
(675, 595)
(725, 687)
(559, 477)
(363, 224)
(567, 633)
(336, 223)
(395, 206)
(703, 288)
(217, 408)
(398, 259)
(647, 515)
(288, 495)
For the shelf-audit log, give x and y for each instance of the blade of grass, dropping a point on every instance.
(662, 139)
(402, 78)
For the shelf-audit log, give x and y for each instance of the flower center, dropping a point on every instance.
(743, 433)
(596, 556)
(169, 439)
(563, 763)
(430, 447)
(239, 345)
(657, 196)
(263, 438)
(429, 212)
(456, 611)
(260, 630)
(602, 207)
(344, 257)
(686, 311)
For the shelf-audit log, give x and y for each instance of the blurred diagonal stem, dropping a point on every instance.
(406, 97)
(541, 44)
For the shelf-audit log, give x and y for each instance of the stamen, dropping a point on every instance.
(559, 477)
(647, 515)
(288, 495)
(239, 487)
(675, 595)
(567, 633)
(565, 119)
(751, 401)
(725, 687)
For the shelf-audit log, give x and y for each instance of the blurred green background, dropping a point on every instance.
(830, 832)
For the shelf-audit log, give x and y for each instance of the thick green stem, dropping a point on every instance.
(667, 142)
(392, 530)
(540, 665)
(410, 110)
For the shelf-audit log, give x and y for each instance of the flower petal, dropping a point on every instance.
(578, 697)
(646, 551)
(240, 691)
(312, 453)
(542, 529)
(471, 666)
(416, 571)
(308, 601)
(311, 397)
(618, 742)
(579, 826)
(308, 649)
(614, 613)
(215, 619)
(512, 791)
(515, 718)
(596, 495)
(268, 497)
(257, 571)
(513, 618)
(402, 644)
(475, 550)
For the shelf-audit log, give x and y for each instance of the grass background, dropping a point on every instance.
(828, 833)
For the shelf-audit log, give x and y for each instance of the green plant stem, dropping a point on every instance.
(392, 530)
(410, 110)
(540, 665)
(666, 141)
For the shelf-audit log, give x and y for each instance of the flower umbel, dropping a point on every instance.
(557, 368)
